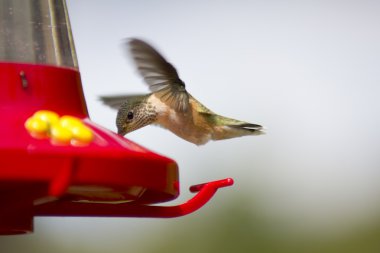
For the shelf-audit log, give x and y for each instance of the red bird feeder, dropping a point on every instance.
(53, 160)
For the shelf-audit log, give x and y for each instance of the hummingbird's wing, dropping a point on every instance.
(115, 101)
(160, 75)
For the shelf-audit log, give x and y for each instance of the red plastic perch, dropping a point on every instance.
(68, 208)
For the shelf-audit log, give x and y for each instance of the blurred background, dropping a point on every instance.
(306, 70)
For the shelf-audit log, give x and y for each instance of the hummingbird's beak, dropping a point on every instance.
(121, 132)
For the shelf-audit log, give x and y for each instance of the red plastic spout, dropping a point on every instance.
(216, 184)
(67, 208)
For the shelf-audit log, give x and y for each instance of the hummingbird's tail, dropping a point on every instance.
(232, 128)
(251, 128)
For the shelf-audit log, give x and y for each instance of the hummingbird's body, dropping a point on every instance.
(170, 105)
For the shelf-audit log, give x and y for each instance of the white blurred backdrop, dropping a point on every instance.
(306, 70)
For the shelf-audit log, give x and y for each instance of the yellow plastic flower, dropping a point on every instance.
(37, 127)
(62, 130)
(60, 134)
(48, 116)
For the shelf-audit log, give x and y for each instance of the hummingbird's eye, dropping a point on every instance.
(130, 115)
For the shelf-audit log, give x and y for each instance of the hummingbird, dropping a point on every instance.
(169, 105)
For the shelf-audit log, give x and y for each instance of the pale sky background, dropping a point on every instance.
(306, 70)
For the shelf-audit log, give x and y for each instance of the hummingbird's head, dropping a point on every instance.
(135, 113)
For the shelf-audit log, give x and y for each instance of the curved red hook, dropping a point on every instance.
(65, 208)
